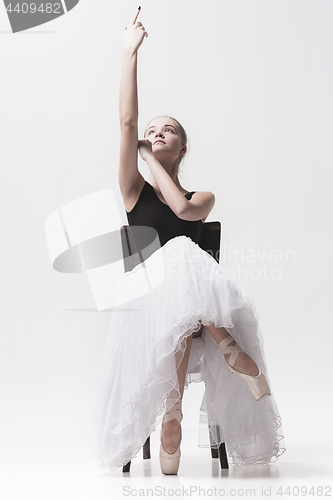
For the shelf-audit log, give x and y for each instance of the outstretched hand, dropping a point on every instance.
(145, 149)
(134, 33)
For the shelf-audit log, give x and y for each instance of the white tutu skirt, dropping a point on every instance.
(158, 304)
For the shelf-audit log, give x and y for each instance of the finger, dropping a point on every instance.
(136, 16)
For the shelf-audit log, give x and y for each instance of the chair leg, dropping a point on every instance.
(223, 456)
(126, 468)
(219, 452)
(214, 451)
(146, 448)
(146, 454)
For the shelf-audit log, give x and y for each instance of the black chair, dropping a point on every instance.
(132, 245)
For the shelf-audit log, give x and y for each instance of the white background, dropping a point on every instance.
(251, 81)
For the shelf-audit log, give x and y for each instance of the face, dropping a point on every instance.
(164, 134)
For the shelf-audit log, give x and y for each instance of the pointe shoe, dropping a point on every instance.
(257, 385)
(170, 461)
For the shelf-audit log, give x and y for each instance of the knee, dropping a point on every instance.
(198, 333)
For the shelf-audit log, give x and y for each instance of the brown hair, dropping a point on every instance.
(183, 134)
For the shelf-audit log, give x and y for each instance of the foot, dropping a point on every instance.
(244, 364)
(171, 435)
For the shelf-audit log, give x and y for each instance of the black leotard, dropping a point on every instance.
(150, 211)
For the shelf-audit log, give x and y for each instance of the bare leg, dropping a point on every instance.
(244, 363)
(171, 431)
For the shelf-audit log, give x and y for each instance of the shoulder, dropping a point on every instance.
(202, 202)
(205, 193)
(203, 196)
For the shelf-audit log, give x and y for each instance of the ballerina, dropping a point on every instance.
(149, 347)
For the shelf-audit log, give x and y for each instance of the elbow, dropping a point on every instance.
(128, 123)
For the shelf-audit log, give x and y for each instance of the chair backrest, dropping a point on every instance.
(209, 241)
(210, 238)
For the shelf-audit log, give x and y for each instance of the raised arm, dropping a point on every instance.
(128, 109)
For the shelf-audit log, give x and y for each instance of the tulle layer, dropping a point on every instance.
(157, 305)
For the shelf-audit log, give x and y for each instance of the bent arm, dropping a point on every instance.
(198, 208)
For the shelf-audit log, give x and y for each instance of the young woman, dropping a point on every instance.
(149, 344)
